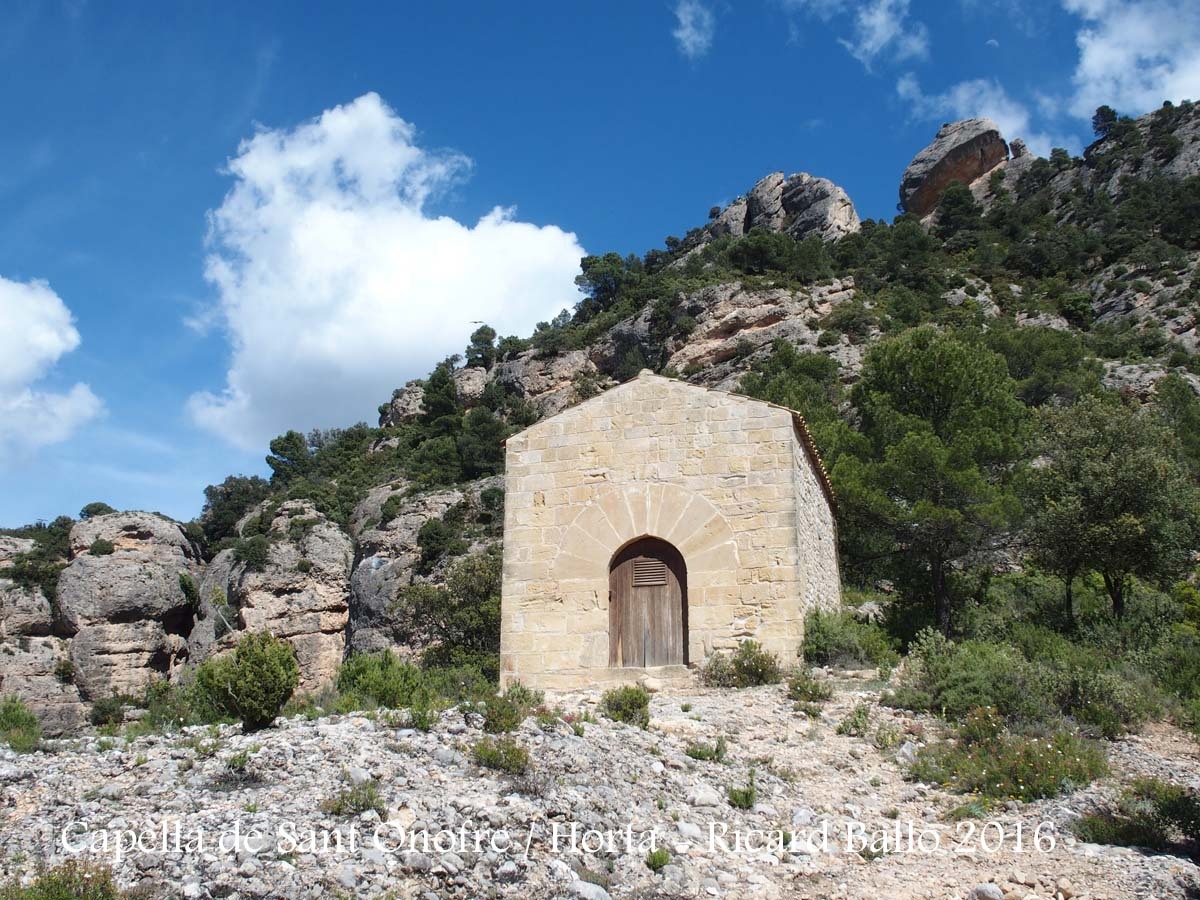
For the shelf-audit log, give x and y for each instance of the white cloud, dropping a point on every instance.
(35, 331)
(980, 97)
(336, 285)
(880, 26)
(1134, 54)
(695, 29)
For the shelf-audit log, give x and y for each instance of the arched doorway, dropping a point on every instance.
(647, 605)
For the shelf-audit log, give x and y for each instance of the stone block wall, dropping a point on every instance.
(719, 476)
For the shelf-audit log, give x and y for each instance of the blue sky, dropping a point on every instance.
(221, 220)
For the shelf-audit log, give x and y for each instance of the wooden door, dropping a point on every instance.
(647, 606)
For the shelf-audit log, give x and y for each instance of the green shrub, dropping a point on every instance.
(382, 679)
(390, 508)
(19, 727)
(501, 714)
(1152, 814)
(73, 880)
(503, 754)
(96, 508)
(191, 593)
(748, 666)
(657, 858)
(744, 798)
(528, 698)
(952, 679)
(251, 684)
(629, 704)
(838, 638)
(253, 552)
(64, 670)
(108, 710)
(989, 761)
(304, 566)
(856, 722)
(101, 547)
(806, 687)
(715, 752)
(355, 799)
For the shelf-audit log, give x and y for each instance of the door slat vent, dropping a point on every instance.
(649, 572)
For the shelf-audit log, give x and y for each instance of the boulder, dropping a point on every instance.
(407, 405)
(962, 151)
(799, 204)
(818, 206)
(302, 593)
(128, 610)
(470, 383)
(23, 611)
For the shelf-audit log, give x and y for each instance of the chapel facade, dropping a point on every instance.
(657, 523)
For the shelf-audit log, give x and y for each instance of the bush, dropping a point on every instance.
(108, 710)
(355, 799)
(503, 754)
(657, 859)
(952, 679)
(73, 880)
(253, 683)
(987, 760)
(191, 593)
(304, 566)
(101, 547)
(744, 798)
(19, 727)
(64, 670)
(806, 687)
(1152, 814)
(253, 552)
(856, 722)
(96, 508)
(709, 752)
(629, 704)
(837, 638)
(381, 679)
(501, 714)
(748, 666)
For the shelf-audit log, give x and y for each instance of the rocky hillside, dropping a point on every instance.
(1093, 258)
(280, 789)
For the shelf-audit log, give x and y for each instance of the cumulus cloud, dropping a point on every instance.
(980, 97)
(1134, 54)
(695, 28)
(881, 27)
(36, 330)
(335, 284)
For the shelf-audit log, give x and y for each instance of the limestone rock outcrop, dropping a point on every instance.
(962, 151)
(1141, 380)
(35, 664)
(300, 594)
(735, 325)
(128, 610)
(799, 204)
(407, 405)
(388, 552)
(547, 381)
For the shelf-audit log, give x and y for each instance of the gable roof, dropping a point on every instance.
(810, 449)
